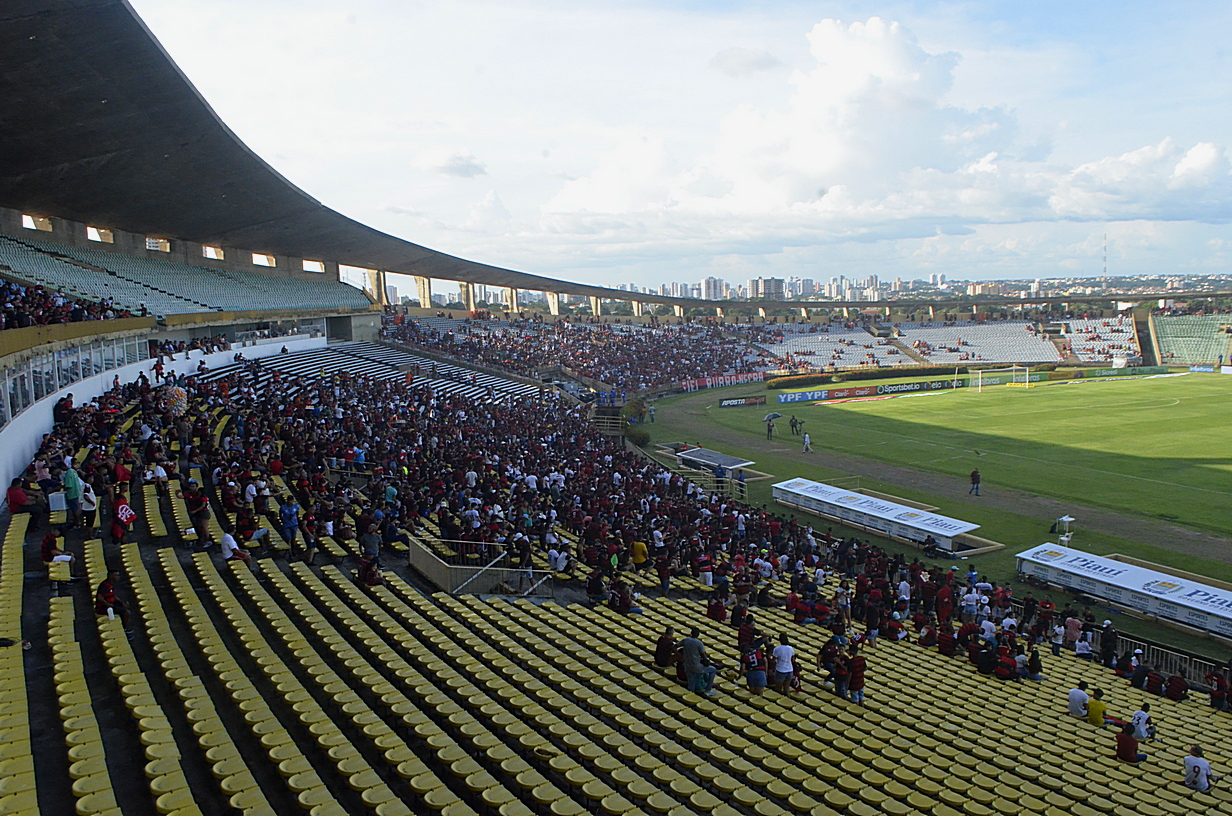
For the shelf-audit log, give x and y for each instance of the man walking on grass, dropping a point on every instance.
(975, 482)
(808, 448)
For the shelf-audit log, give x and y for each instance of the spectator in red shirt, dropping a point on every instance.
(1177, 687)
(856, 666)
(21, 500)
(1127, 746)
(105, 599)
(1218, 682)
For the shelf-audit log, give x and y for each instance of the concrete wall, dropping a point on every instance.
(20, 439)
(364, 326)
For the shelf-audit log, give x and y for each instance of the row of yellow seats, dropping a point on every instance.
(168, 785)
(153, 511)
(350, 764)
(226, 764)
(91, 782)
(295, 769)
(17, 794)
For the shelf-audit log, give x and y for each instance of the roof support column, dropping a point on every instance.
(761, 311)
(719, 313)
(423, 290)
(804, 312)
(467, 292)
(383, 279)
(511, 299)
(679, 310)
(932, 311)
(596, 306)
(639, 308)
(553, 302)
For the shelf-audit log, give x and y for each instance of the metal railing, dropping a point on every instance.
(486, 579)
(1164, 660)
(704, 479)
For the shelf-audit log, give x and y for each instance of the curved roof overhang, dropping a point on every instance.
(99, 125)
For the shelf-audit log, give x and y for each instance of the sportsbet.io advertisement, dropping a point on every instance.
(963, 381)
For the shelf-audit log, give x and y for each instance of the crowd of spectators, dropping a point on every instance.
(205, 345)
(23, 306)
(629, 357)
(365, 459)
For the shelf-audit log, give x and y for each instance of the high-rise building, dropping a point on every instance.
(713, 288)
(768, 288)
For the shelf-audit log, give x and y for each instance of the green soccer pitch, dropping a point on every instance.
(1153, 452)
(1158, 447)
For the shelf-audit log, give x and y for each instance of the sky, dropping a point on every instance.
(644, 142)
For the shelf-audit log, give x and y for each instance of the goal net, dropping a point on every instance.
(1014, 375)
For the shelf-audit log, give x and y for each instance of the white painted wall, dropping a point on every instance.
(20, 439)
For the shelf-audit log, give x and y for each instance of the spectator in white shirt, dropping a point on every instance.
(230, 550)
(784, 671)
(1078, 699)
(1198, 771)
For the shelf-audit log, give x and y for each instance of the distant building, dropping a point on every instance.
(713, 289)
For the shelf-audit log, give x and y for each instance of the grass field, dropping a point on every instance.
(1160, 447)
(1156, 448)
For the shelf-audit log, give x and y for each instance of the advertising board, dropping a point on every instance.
(869, 511)
(1144, 590)
(722, 380)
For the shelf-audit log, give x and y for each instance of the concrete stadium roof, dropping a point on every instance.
(99, 125)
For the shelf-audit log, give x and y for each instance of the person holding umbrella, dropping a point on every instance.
(769, 420)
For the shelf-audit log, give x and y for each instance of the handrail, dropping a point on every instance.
(485, 568)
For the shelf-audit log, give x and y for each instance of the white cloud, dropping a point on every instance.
(977, 140)
(742, 62)
(462, 165)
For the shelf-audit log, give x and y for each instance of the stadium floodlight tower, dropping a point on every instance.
(1014, 375)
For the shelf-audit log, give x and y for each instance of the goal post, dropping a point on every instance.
(1018, 375)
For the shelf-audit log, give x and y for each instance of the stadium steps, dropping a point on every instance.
(908, 350)
(1068, 357)
(1146, 341)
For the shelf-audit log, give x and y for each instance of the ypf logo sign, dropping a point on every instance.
(1162, 587)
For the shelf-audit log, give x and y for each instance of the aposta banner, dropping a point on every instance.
(723, 380)
(736, 402)
(1154, 593)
